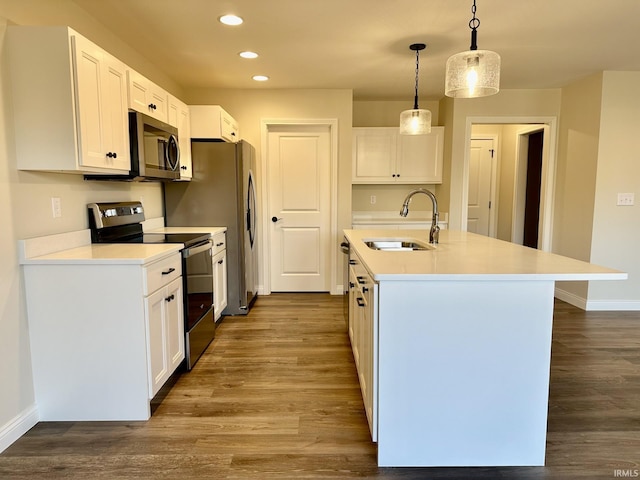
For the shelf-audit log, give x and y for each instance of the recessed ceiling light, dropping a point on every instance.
(230, 20)
(248, 54)
(260, 78)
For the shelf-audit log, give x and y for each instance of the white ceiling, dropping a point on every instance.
(364, 44)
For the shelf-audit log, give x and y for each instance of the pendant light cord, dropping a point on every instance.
(415, 100)
(474, 23)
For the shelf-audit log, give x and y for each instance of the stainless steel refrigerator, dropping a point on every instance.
(222, 193)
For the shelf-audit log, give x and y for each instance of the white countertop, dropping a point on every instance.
(75, 248)
(467, 256)
(106, 253)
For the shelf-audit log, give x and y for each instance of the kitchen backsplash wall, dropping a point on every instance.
(388, 198)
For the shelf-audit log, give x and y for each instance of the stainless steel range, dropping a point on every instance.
(120, 222)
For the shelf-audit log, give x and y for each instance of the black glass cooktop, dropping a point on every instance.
(187, 239)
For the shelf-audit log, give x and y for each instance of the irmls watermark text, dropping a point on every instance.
(626, 473)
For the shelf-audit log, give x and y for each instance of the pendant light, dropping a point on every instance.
(416, 121)
(474, 73)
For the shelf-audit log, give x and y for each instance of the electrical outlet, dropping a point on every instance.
(625, 199)
(373, 199)
(56, 207)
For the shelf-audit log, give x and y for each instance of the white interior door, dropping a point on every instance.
(480, 186)
(299, 169)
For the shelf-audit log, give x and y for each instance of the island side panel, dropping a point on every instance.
(463, 372)
(89, 351)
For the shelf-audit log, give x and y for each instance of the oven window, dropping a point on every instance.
(198, 272)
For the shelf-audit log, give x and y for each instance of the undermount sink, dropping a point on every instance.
(397, 245)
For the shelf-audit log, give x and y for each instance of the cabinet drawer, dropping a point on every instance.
(219, 242)
(161, 273)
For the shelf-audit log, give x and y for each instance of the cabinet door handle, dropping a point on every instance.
(219, 244)
(167, 272)
(351, 284)
(170, 297)
(360, 302)
(220, 262)
(183, 167)
(361, 280)
(352, 262)
(275, 219)
(365, 289)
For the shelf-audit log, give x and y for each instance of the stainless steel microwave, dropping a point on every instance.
(155, 154)
(154, 150)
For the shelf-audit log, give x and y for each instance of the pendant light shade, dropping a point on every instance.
(416, 121)
(474, 73)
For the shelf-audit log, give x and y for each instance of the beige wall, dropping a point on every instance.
(250, 107)
(616, 229)
(576, 173)
(369, 113)
(25, 197)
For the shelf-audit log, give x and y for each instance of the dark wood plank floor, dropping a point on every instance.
(276, 397)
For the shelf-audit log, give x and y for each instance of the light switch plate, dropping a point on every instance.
(625, 199)
(56, 207)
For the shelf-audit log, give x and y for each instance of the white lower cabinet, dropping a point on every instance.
(363, 332)
(104, 337)
(219, 275)
(165, 328)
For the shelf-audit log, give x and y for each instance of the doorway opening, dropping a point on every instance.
(521, 192)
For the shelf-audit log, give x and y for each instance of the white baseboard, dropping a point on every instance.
(571, 298)
(616, 305)
(18, 426)
(597, 305)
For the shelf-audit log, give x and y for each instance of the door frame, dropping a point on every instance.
(547, 194)
(520, 183)
(265, 125)
(493, 193)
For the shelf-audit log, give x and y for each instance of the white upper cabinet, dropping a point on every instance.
(180, 118)
(147, 97)
(213, 122)
(382, 155)
(70, 102)
(102, 100)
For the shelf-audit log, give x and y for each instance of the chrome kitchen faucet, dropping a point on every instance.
(434, 233)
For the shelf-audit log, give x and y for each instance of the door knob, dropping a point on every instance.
(275, 219)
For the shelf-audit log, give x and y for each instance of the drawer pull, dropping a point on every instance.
(361, 280)
(170, 297)
(220, 262)
(360, 302)
(219, 244)
(171, 270)
(352, 262)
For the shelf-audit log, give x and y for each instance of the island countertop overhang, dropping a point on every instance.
(467, 256)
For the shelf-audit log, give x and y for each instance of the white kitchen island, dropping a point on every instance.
(461, 340)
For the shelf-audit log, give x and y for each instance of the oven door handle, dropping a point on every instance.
(191, 251)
